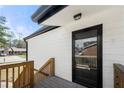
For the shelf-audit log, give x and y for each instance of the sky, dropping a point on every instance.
(19, 19)
(80, 42)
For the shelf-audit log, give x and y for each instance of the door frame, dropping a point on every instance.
(99, 53)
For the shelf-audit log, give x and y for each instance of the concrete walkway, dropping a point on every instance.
(11, 59)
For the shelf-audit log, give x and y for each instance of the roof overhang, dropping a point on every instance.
(54, 16)
(66, 15)
(46, 11)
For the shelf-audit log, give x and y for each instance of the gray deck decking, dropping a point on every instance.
(56, 82)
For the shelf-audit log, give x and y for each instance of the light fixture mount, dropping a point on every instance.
(77, 16)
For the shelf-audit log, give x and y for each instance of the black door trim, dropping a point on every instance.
(99, 52)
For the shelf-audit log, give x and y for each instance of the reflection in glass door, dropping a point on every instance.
(85, 57)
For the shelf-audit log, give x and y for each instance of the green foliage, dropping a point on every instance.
(3, 32)
(22, 56)
(18, 43)
(6, 36)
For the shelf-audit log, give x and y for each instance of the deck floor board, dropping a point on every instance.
(57, 82)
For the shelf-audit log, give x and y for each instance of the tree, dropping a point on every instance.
(7, 36)
(18, 43)
(10, 38)
(21, 44)
(3, 32)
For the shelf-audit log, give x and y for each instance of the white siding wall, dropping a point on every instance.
(58, 44)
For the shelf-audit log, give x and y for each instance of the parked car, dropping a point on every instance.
(3, 54)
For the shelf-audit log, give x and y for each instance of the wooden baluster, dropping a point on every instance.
(0, 78)
(19, 76)
(29, 74)
(7, 78)
(50, 73)
(13, 76)
(24, 75)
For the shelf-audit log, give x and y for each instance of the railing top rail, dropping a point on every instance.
(47, 63)
(11, 65)
(120, 67)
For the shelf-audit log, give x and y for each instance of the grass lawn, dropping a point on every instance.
(22, 56)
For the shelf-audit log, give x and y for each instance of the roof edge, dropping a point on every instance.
(46, 11)
(41, 31)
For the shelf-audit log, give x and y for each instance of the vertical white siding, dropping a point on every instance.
(58, 44)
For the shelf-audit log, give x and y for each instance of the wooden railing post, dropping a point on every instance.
(118, 76)
(48, 69)
(27, 75)
(32, 74)
(52, 67)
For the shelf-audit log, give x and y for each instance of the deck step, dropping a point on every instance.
(57, 82)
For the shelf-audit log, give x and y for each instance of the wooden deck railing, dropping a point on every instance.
(17, 75)
(88, 61)
(118, 76)
(48, 69)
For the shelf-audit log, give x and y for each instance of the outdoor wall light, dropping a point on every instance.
(77, 16)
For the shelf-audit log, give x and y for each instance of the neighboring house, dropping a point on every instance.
(4, 51)
(87, 57)
(90, 50)
(13, 51)
(64, 25)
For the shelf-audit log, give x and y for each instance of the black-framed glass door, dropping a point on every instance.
(87, 56)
